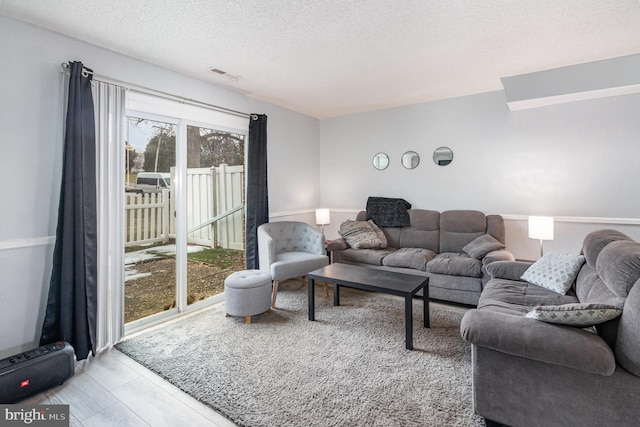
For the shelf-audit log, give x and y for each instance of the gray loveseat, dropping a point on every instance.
(527, 372)
(433, 245)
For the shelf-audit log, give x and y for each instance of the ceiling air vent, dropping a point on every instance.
(224, 73)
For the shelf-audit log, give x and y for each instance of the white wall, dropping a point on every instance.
(572, 160)
(31, 115)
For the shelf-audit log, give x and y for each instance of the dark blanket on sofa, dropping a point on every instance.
(388, 212)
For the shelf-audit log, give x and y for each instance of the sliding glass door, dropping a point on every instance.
(215, 209)
(150, 246)
(184, 210)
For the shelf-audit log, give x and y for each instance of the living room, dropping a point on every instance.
(575, 161)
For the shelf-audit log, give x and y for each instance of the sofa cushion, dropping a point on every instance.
(618, 265)
(553, 271)
(366, 256)
(578, 315)
(482, 245)
(517, 297)
(495, 227)
(363, 235)
(415, 258)
(424, 231)
(595, 241)
(591, 289)
(628, 343)
(460, 227)
(455, 265)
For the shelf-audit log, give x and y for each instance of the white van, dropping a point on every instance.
(151, 182)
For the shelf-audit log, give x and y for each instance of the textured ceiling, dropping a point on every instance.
(333, 57)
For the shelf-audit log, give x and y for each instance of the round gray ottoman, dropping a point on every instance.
(247, 293)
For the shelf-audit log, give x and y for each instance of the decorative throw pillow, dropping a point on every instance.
(482, 245)
(360, 235)
(555, 272)
(578, 315)
(379, 233)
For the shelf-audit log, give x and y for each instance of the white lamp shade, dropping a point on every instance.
(541, 227)
(323, 216)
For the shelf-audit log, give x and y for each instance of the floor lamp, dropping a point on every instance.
(541, 228)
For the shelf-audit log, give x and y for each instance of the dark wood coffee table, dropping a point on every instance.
(370, 279)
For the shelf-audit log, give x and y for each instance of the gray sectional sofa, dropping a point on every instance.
(528, 372)
(446, 246)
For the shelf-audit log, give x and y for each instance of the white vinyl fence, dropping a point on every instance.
(215, 206)
(146, 217)
(215, 210)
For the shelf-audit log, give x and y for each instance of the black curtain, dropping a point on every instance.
(71, 307)
(257, 193)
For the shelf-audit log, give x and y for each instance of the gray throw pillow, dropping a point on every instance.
(578, 315)
(482, 245)
(555, 272)
(361, 235)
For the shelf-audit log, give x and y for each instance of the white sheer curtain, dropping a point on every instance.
(110, 107)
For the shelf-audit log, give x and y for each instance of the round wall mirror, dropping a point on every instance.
(442, 156)
(410, 160)
(380, 161)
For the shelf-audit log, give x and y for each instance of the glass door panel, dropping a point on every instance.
(215, 209)
(150, 249)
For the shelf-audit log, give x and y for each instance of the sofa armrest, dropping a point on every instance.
(337, 245)
(510, 270)
(499, 255)
(535, 340)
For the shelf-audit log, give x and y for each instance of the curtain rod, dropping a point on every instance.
(137, 88)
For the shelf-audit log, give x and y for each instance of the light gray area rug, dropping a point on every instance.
(348, 368)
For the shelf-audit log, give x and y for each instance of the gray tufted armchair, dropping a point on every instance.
(289, 249)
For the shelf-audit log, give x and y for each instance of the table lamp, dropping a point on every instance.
(323, 217)
(541, 228)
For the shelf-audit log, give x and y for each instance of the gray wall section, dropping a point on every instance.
(604, 76)
(574, 159)
(293, 153)
(24, 274)
(32, 117)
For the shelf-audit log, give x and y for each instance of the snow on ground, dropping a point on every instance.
(132, 258)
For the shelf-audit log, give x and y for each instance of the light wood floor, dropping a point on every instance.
(113, 390)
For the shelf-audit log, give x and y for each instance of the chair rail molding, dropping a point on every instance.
(579, 219)
(27, 242)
